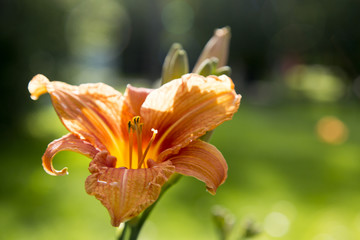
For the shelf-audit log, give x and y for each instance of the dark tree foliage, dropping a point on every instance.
(266, 35)
(31, 38)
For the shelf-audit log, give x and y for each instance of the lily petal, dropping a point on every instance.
(90, 111)
(185, 109)
(69, 142)
(125, 192)
(202, 161)
(37, 86)
(135, 97)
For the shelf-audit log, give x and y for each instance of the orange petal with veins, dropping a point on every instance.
(185, 109)
(90, 111)
(125, 192)
(202, 161)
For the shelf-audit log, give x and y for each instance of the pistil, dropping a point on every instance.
(148, 146)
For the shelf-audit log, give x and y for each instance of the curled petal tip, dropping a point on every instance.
(37, 86)
(212, 191)
(68, 142)
(54, 172)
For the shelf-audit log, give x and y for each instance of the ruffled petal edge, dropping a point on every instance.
(125, 192)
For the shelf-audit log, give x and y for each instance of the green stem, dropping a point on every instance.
(135, 224)
(123, 234)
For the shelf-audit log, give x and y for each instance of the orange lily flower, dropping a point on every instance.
(138, 140)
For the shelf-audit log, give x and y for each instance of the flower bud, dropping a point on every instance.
(175, 65)
(250, 229)
(224, 221)
(223, 70)
(205, 68)
(217, 46)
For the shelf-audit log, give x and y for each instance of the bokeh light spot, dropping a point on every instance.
(331, 130)
(276, 224)
(316, 82)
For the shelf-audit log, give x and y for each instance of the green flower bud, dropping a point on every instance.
(223, 70)
(205, 68)
(250, 230)
(176, 64)
(224, 221)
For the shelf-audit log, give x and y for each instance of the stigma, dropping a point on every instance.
(135, 127)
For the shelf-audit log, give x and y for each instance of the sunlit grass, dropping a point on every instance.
(279, 169)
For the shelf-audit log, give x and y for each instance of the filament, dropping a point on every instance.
(148, 146)
(135, 127)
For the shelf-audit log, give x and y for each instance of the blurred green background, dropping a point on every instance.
(293, 149)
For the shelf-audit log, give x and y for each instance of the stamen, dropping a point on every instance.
(130, 126)
(136, 127)
(148, 146)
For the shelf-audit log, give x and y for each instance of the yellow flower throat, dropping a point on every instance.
(135, 132)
